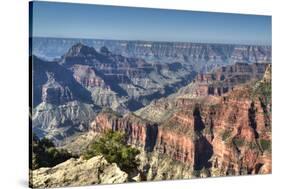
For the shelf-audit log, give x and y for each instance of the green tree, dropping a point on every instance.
(44, 153)
(113, 146)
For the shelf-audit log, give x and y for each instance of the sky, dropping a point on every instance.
(69, 20)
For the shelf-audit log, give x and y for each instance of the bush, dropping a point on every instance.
(226, 134)
(112, 145)
(44, 153)
(265, 145)
(238, 142)
(264, 92)
(253, 145)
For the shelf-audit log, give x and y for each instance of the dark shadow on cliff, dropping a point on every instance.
(252, 119)
(203, 153)
(203, 149)
(151, 137)
(198, 123)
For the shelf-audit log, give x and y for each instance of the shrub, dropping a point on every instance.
(112, 145)
(265, 145)
(263, 91)
(196, 173)
(44, 153)
(253, 145)
(238, 142)
(226, 134)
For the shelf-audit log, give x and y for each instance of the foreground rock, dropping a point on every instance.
(79, 172)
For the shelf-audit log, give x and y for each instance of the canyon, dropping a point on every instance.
(193, 110)
(163, 52)
(69, 92)
(212, 135)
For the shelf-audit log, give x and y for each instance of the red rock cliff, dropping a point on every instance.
(226, 135)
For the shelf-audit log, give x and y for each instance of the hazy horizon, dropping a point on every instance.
(87, 21)
(157, 41)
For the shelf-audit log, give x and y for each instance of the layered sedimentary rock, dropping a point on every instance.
(213, 135)
(120, 82)
(125, 80)
(60, 121)
(61, 105)
(161, 51)
(54, 84)
(223, 79)
(68, 92)
(75, 172)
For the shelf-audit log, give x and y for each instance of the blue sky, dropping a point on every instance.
(108, 22)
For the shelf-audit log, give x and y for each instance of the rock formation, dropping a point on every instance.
(223, 79)
(213, 135)
(161, 51)
(123, 83)
(194, 110)
(78, 172)
(61, 105)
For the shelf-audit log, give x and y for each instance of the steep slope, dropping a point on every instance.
(68, 93)
(223, 79)
(123, 83)
(54, 84)
(212, 135)
(60, 121)
(61, 105)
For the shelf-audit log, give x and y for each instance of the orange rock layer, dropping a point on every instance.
(226, 135)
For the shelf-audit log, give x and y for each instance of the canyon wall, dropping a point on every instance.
(223, 79)
(164, 52)
(214, 135)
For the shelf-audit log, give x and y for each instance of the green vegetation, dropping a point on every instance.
(196, 173)
(265, 145)
(203, 172)
(225, 135)
(44, 153)
(112, 145)
(238, 142)
(253, 145)
(263, 92)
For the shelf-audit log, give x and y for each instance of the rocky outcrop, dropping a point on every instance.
(87, 76)
(54, 84)
(213, 135)
(156, 166)
(125, 83)
(220, 124)
(78, 172)
(61, 106)
(140, 132)
(223, 79)
(60, 121)
(104, 79)
(55, 93)
(120, 82)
